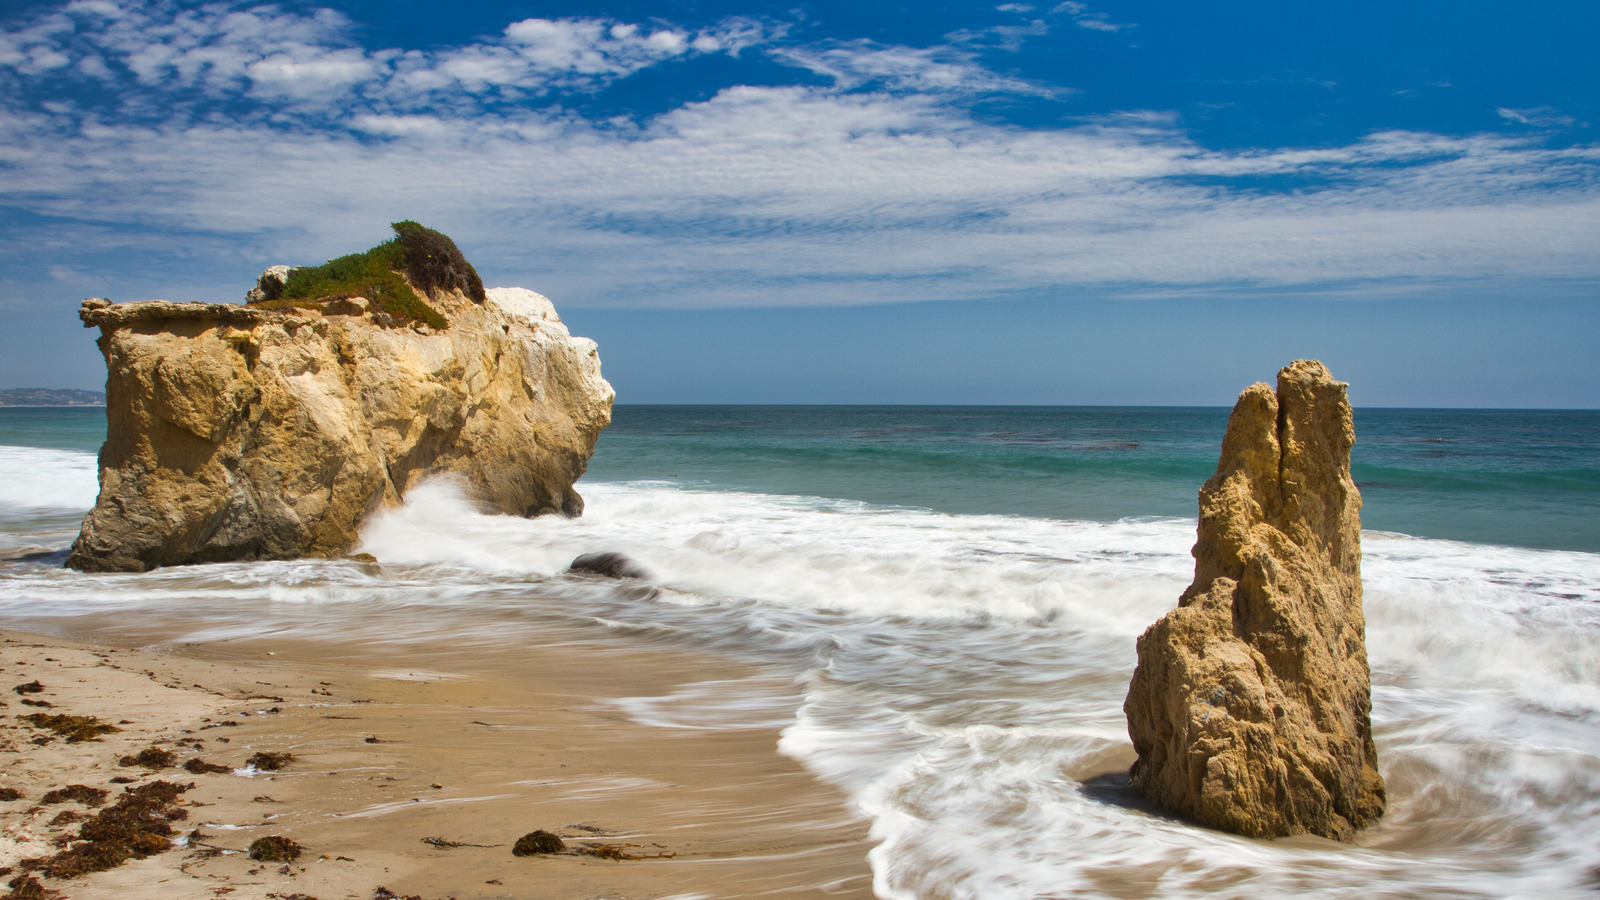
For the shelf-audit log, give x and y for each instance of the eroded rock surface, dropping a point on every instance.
(240, 432)
(1250, 708)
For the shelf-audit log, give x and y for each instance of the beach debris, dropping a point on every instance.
(383, 893)
(138, 825)
(1250, 708)
(74, 728)
(198, 766)
(32, 687)
(605, 851)
(66, 817)
(27, 887)
(608, 565)
(150, 758)
(275, 848)
(9, 794)
(444, 844)
(538, 843)
(76, 793)
(43, 704)
(269, 761)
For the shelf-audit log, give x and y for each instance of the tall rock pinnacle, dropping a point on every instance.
(1250, 708)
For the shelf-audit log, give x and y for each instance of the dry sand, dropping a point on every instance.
(391, 751)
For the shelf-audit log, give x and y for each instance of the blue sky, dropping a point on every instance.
(1117, 202)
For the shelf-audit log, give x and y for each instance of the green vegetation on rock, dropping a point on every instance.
(389, 276)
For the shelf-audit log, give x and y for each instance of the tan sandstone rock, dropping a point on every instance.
(1250, 708)
(242, 432)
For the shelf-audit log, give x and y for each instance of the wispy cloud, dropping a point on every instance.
(1541, 117)
(945, 69)
(878, 186)
(1084, 17)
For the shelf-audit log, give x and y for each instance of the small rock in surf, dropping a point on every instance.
(608, 565)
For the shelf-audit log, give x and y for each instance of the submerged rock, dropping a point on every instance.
(1250, 708)
(271, 431)
(608, 565)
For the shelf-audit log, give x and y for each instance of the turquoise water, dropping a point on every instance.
(1509, 477)
(1521, 478)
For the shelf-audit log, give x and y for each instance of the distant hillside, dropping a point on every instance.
(49, 397)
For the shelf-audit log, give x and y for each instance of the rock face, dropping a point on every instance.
(1250, 708)
(242, 432)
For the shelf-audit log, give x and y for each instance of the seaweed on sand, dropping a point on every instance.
(138, 825)
(198, 766)
(26, 887)
(76, 793)
(275, 848)
(538, 843)
(269, 761)
(73, 728)
(150, 758)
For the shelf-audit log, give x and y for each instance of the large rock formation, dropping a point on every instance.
(249, 432)
(1250, 707)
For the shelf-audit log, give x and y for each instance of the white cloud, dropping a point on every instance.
(231, 49)
(878, 187)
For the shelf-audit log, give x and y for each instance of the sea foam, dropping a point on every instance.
(37, 479)
(960, 677)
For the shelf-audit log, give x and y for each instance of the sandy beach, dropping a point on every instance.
(414, 773)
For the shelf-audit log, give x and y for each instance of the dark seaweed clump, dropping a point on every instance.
(27, 887)
(32, 687)
(138, 825)
(268, 761)
(198, 766)
(73, 728)
(275, 848)
(536, 843)
(76, 793)
(416, 257)
(10, 793)
(150, 758)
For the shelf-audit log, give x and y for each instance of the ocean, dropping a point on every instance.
(944, 602)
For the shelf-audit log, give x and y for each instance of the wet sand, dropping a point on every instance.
(393, 749)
